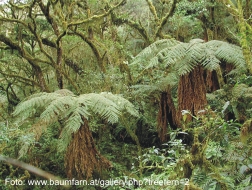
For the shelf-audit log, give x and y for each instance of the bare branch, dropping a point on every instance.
(30, 168)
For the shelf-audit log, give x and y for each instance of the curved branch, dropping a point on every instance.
(97, 17)
(32, 61)
(119, 20)
(153, 10)
(94, 49)
(21, 78)
(165, 19)
(30, 168)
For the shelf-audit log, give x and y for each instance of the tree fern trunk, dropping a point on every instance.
(191, 93)
(162, 118)
(166, 114)
(82, 158)
(211, 81)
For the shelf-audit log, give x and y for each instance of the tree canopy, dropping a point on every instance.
(147, 90)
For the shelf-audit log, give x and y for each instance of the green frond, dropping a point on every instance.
(102, 106)
(26, 141)
(184, 66)
(192, 56)
(58, 107)
(184, 57)
(72, 110)
(31, 105)
(72, 125)
(122, 103)
(142, 59)
(210, 62)
(239, 90)
(172, 55)
(227, 52)
(161, 85)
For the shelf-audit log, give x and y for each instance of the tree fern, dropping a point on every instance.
(227, 52)
(63, 105)
(122, 103)
(161, 85)
(152, 50)
(184, 57)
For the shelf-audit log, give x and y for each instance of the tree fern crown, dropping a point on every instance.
(183, 57)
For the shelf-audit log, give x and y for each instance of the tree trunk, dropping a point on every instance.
(211, 81)
(82, 158)
(166, 114)
(162, 118)
(39, 76)
(191, 93)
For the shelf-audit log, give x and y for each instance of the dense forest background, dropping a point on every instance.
(135, 90)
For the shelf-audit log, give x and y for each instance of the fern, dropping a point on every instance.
(227, 52)
(122, 103)
(170, 81)
(184, 57)
(153, 50)
(63, 105)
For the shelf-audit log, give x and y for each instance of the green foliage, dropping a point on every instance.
(65, 107)
(219, 164)
(192, 9)
(244, 79)
(162, 84)
(182, 58)
(45, 121)
(239, 98)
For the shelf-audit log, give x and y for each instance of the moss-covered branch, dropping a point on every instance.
(27, 80)
(97, 17)
(31, 60)
(244, 27)
(165, 19)
(94, 48)
(117, 20)
(153, 10)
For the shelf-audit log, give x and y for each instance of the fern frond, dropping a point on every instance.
(210, 62)
(33, 104)
(184, 57)
(71, 110)
(102, 106)
(153, 49)
(161, 85)
(239, 90)
(122, 103)
(72, 125)
(57, 107)
(26, 140)
(172, 55)
(227, 52)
